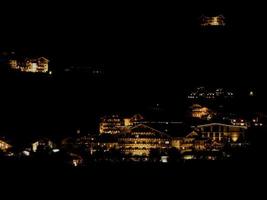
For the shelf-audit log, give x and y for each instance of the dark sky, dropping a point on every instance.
(130, 38)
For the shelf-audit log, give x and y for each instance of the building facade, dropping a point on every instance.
(4, 146)
(34, 65)
(218, 20)
(140, 139)
(111, 125)
(221, 132)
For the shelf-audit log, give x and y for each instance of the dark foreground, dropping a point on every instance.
(203, 179)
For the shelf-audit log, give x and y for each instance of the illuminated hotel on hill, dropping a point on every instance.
(218, 20)
(35, 65)
(139, 139)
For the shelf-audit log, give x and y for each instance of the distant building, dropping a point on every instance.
(42, 144)
(96, 142)
(201, 112)
(140, 139)
(115, 124)
(218, 20)
(239, 122)
(13, 63)
(191, 141)
(111, 125)
(221, 132)
(207, 93)
(34, 65)
(136, 119)
(4, 146)
(207, 141)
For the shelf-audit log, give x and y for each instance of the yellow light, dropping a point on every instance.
(75, 163)
(235, 137)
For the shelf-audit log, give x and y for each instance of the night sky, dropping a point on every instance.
(142, 38)
(155, 50)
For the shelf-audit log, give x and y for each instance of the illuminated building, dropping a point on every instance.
(34, 65)
(218, 20)
(96, 142)
(191, 141)
(136, 119)
(115, 124)
(13, 64)
(111, 125)
(4, 146)
(76, 160)
(200, 112)
(42, 144)
(239, 122)
(206, 93)
(221, 132)
(140, 139)
(176, 142)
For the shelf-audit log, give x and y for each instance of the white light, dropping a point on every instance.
(10, 154)
(164, 159)
(26, 153)
(55, 150)
(50, 72)
(75, 163)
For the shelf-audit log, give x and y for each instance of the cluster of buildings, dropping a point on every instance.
(138, 139)
(254, 122)
(34, 65)
(135, 139)
(12, 61)
(206, 93)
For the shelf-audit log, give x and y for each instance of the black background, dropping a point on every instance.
(143, 39)
(156, 50)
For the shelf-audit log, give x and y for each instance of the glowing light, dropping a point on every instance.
(50, 72)
(55, 150)
(164, 159)
(251, 93)
(235, 137)
(26, 153)
(75, 163)
(34, 67)
(188, 157)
